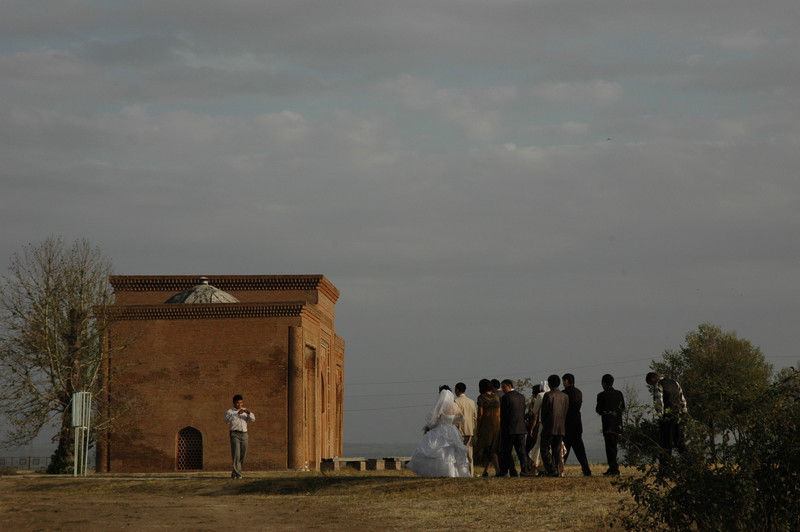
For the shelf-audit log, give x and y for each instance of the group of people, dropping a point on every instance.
(501, 423)
(541, 432)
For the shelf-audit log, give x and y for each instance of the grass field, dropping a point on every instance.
(346, 500)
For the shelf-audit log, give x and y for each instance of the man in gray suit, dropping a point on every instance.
(554, 421)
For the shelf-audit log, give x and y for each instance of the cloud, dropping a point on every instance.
(597, 92)
(475, 111)
(748, 40)
(23, 19)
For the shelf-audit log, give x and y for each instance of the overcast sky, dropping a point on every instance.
(498, 188)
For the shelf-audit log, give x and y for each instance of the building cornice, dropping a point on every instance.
(210, 311)
(227, 283)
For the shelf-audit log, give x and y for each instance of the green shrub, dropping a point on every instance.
(753, 484)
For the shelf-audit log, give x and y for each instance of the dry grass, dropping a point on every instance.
(386, 500)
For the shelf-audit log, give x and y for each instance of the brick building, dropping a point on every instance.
(179, 348)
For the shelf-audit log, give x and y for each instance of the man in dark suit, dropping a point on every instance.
(554, 420)
(610, 405)
(573, 439)
(512, 430)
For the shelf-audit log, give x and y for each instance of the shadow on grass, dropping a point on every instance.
(305, 483)
(392, 485)
(337, 485)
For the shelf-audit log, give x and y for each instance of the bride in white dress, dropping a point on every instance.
(442, 452)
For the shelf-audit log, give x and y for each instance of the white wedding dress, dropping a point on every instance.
(442, 452)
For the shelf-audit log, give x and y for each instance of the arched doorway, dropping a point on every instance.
(189, 454)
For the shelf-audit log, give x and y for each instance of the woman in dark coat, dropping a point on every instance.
(487, 441)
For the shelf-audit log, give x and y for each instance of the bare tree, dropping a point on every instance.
(52, 326)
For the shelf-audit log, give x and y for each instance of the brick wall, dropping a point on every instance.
(180, 368)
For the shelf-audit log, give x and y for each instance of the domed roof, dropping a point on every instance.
(202, 293)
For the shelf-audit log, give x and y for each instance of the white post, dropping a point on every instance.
(81, 421)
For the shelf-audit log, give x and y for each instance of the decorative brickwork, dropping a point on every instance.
(228, 283)
(205, 311)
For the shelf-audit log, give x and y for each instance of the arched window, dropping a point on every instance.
(190, 449)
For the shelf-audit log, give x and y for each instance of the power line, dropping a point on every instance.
(384, 408)
(382, 394)
(625, 377)
(428, 405)
(521, 374)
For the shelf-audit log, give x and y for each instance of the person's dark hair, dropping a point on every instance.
(461, 387)
(650, 376)
(237, 397)
(444, 387)
(485, 385)
(496, 384)
(607, 379)
(507, 382)
(569, 377)
(536, 389)
(553, 381)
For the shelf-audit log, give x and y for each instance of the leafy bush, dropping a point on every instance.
(754, 482)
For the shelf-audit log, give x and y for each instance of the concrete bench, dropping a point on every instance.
(335, 463)
(395, 462)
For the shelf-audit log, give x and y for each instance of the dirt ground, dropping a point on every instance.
(300, 501)
(40, 503)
